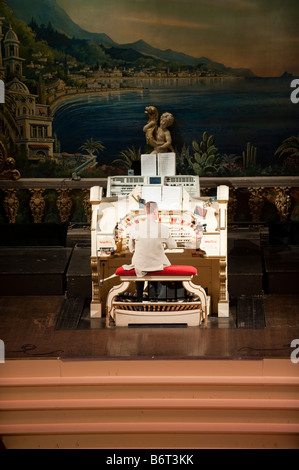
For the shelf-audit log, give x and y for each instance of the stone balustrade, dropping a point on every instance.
(252, 199)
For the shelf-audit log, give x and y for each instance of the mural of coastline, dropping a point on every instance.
(79, 74)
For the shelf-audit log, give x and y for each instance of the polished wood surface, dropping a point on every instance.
(27, 327)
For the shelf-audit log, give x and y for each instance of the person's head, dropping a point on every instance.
(151, 209)
(166, 120)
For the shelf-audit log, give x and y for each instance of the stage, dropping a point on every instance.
(68, 381)
(45, 294)
(30, 329)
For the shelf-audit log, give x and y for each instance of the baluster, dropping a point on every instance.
(232, 204)
(64, 204)
(37, 205)
(282, 202)
(11, 205)
(87, 204)
(256, 203)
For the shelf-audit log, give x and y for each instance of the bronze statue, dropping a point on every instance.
(7, 170)
(158, 136)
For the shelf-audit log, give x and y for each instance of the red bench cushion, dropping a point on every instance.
(173, 270)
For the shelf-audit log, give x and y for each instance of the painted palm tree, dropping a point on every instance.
(289, 148)
(128, 157)
(92, 146)
(206, 158)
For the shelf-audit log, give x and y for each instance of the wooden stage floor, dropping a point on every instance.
(27, 327)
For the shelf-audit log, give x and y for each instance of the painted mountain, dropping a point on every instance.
(48, 11)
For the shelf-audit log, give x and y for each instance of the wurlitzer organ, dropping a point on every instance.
(198, 224)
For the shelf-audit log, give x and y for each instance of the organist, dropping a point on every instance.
(147, 241)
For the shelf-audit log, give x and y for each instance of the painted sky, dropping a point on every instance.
(262, 35)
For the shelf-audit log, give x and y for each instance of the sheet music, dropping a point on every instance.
(152, 193)
(148, 164)
(166, 164)
(172, 197)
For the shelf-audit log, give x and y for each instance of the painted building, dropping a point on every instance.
(33, 119)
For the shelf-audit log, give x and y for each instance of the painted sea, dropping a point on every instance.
(235, 111)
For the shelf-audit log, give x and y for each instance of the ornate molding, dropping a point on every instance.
(64, 204)
(282, 192)
(256, 203)
(95, 279)
(232, 204)
(87, 205)
(11, 205)
(223, 279)
(204, 191)
(37, 205)
(282, 202)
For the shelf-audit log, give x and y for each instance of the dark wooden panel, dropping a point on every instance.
(79, 273)
(282, 269)
(245, 269)
(38, 234)
(33, 271)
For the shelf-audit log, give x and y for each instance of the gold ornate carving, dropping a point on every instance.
(204, 192)
(256, 203)
(11, 205)
(37, 205)
(64, 204)
(232, 204)
(222, 278)
(7, 170)
(282, 202)
(95, 279)
(87, 205)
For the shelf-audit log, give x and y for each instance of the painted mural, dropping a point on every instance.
(79, 75)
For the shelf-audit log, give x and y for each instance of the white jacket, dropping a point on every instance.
(147, 241)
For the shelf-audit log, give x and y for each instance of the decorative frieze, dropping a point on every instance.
(11, 205)
(64, 204)
(283, 202)
(247, 197)
(256, 203)
(87, 205)
(232, 204)
(37, 205)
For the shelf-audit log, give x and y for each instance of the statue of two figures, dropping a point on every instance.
(157, 134)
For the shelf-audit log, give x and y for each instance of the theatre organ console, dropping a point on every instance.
(198, 224)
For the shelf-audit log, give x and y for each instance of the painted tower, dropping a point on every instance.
(12, 60)
(2, 68)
